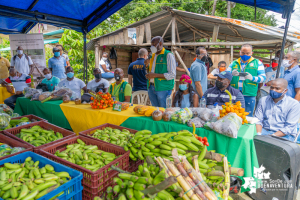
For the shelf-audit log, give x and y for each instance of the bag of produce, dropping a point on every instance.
(172, 110)
(16, 149)
(29, 92)
(167, 116)
(44, 96)
(182, 116)
(197, 121)
(157, 115)
(6, 109)
(4, 120)
(196, 111)
(205, 114)
(66, 99)
(35, 97)
(229, 125)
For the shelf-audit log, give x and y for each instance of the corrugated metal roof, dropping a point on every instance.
(231, 29)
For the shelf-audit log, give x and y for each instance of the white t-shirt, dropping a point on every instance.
(75, 85)
(102, 62)
(21, 64)
(92, 85)
(215, 71)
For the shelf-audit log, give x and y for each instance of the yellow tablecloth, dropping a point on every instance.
(4, 94)
(83, 117)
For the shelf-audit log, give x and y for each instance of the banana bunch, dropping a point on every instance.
(129, 186)
(38, 136)
(87, 156)
(15, 122)
(144, 144)
(26, 181)
(113, 136)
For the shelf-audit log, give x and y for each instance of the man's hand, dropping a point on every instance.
(151, 75)
(235, 72)
(19, 92)
(249, 76)
(147, 62)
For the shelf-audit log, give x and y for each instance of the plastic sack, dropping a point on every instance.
(66, 99)
(197, 121)
(29, 92)
(44, 96)
(17, 149)
(4, 120)
(35, 97)
(196, 111)
(182, 116)
(172, 110)
(167, 116)
(6, 109)
(59, 93)
(228, 125)
(157, 115)
(205, 114)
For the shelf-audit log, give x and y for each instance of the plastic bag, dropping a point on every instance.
(35, 97)
(205, 114)
(59, 93)
(44, 96)
(17, 149)
(4, 120)
(172, 110)
(196, 111)
(215, 114)
(29, 92)
(167, 116)
(66, 99)
(182, 116)
(157, 115)
(228, 125)
(6, 109)
(197, 121)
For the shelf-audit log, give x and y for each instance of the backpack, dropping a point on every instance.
(26, 56)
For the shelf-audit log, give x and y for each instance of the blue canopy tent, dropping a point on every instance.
(19, 16)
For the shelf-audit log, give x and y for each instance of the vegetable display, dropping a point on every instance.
(5, 149)
(14, 122)
(87, 156)
(26, 181)
(101, 100)
(113, 136)
(38, 136)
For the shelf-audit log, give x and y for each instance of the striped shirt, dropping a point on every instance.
(260, 78)
(171, 65)
(19, 83)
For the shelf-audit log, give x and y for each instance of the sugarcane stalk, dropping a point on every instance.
(227, 179)
(47, 99)
(208, 155)
(233, 170)
(196, 166)
(215, 173)
(161, 186)
(186, 187)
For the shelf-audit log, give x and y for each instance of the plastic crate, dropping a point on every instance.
(93, 182)
(134, 165)
(13, 143)
(31, 117)
(45, 125)
(72, 189)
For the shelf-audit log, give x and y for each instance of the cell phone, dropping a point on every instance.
(243, 74)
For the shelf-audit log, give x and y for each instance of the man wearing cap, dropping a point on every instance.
(218, 95)
(57, 64)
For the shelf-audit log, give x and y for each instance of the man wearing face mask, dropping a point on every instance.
(162, 73)
(137, 72)
(57, 64)
(75, 84)
(98, 84)
(21, 61)
(199, 72)
(105, 67)
(120, 90)
(49, 80)
(19, 81)
(292, 74)
(278, 113)
(248, 84)
(218, 95)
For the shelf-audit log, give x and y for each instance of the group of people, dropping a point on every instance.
(275, 102)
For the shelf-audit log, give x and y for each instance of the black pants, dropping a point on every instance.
(10, 101)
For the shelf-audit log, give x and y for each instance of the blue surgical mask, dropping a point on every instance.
(245, 57)
(183, 87)
(70, 75)
(276, 95)
(56, 54)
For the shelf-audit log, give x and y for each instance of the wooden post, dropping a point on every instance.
(173, 31)
(167, 29)
(96, 56)
(215, 33)
(100, 54)
(125, 34)
(148, 32)
(181, 61)
(194, 40)
(141, 34)
(271, 59)
(228, 9)
(231, 54)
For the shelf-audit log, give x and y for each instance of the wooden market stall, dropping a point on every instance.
(184, 31)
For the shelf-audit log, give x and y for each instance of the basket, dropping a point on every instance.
(94, 183)
(45, 125)
(134, 165)
(31, 117)
(72, 189)
(13, 143)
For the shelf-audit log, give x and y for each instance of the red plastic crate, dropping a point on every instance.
(94, 183)
(134, 165)
(13, 143)
(45, 125)
(31, 117)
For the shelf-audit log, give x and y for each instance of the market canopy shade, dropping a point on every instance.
(19, 16)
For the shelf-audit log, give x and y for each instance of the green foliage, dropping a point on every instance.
(5, 43)
(73, 43)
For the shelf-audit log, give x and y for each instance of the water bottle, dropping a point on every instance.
(169, 102)
(215, 112)
(203, 103)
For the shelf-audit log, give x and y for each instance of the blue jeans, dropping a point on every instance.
(250, 105)
(288, 137)
(107, 75)
(158, 98)
(10, 101)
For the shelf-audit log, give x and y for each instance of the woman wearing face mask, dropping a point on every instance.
(186, 96)
(105, 67)
(75, 84)
(49, 80)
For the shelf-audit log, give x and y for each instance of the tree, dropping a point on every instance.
(214, 7)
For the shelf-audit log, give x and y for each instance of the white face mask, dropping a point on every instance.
(20, 52)
(104, 59)
(286, 63)
(48, 76)
(154, 48)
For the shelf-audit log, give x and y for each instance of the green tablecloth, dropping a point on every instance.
(49, 110)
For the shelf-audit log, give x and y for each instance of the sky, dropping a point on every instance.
(295, 19)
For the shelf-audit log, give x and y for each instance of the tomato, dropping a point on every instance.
(205, 139)
(111, 105)
(206, 144)
(102, 101)
(100, 107)
(106, 102)
(105, 96)
(104, 107)
(92, 98)
(109, 101)
(91, 104)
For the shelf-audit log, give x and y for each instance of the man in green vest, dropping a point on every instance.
(253, 73)
(162, 73)
(120, 90)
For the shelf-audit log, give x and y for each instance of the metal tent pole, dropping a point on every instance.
(85, 76)
(287, 24)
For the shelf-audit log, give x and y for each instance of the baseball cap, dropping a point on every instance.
(225, 74)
